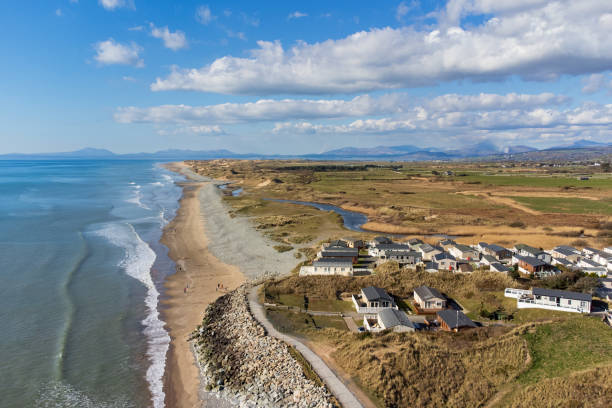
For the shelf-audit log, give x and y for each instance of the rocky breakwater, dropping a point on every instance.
(244, 365)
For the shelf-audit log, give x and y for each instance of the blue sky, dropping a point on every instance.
(281, 77)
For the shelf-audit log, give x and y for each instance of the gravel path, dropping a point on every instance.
(334, 384)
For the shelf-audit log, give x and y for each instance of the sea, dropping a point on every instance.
(81, 280)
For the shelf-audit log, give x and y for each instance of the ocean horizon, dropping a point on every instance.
(81, 272)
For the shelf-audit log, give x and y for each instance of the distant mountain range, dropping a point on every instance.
(579, 150)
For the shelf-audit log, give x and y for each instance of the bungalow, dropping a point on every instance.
(380, 249)
(463, 252)
(526, 250)
(552, 299)
(533, 266)
(608, 250)
(349, 254)
(590, 252)
(488, 260)
(427, 251)
(497, 267)
(602, 258)
(404, 257)
(373, 300)
(454, 320)
(429, 299)
(481, 246)
(566, 252)
(562, 262)
(587, 263)
(389, 319)
(498, 252)
(335, 243)
(445, 261)
(328, 266)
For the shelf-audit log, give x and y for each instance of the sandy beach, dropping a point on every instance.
(188, 292)
(209, 248)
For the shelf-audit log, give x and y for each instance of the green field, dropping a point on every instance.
(567, 205)
(324, 305)
(561, 348)
(601, 182)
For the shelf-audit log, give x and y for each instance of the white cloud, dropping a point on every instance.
(534, 42)
(296, 14)
(593, 83)
(110, 52)
(115, 4)
(204, 15)
(129, 79)
(173, 40)
(403, 9)
(197, 130)
(58, 12)
(359, 106)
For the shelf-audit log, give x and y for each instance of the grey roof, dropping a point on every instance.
(431, 265)
(332, 262)
(489, 258)
(499, 267)
(414, 241)
(382, 240)
(393, 247)
(528, 249)
(568, 248)
(564, 251)
(591, 263)
(532, 261)
(374, 293)
(563, 261)
(496, 248)
(447, 242)
(443, 255)
(562, 294)
(346, 253)
(426, 248)
(426, 293)
(403, 252)
(455, 319)
(338, 243)
(391, 318)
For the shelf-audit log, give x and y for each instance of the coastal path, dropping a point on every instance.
(350, 323)
(335, 385)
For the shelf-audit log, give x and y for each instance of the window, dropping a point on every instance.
(569, 301)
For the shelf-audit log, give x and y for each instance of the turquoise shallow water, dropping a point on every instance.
(81, 269)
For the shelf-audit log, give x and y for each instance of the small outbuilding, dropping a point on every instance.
(454, 320)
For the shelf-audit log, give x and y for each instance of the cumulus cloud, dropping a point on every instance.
(204, 15)
(532, 40)
(115, 4)
(403, 9)
(363, 105)
(110, 52)
(173, 40)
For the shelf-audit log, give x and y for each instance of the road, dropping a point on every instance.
(346, 398)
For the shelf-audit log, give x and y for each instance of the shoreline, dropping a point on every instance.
(189, 291)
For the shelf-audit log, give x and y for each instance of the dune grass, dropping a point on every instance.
(567, 205)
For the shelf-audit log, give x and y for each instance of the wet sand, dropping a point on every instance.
(188, 292)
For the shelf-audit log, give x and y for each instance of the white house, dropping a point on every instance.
(566, 252)
(428, 252)
(381, 249)
(373, 300)
(389, 319)
(526, 250)
(460, 251)
(445, 261)
(328, 266)
(600, 271)
(551, 299)
(587, 263)
(429, 298)
(488, 260)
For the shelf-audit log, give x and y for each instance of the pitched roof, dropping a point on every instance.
(328, 261)
(443, 255)
(562, 293)
(392, 247)
(464, 248)
(564, 251)
(455, 319)
(489, 258)
(426, 293)
(431, 265)
(391, 318)
(528, 249)
(338, 243)
(374, 293)
(532, 261)
(496, 248)
(337, 253)
(499, 267)
(382, 240)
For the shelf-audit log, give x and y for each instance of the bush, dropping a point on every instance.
(517, 224)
